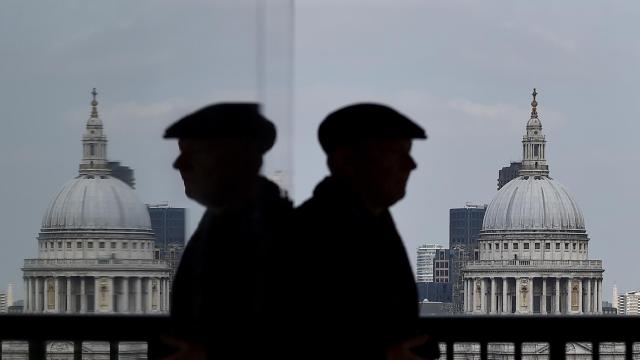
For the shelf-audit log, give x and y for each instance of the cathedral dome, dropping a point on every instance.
(94, 199)
(533, 203)
(96, 202)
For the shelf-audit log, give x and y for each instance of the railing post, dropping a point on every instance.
(628, 350)
(557, 350)
(517, 351)
(77, 350)
(37, 349)
(595, 350)
(113, 350)
(450, 350)
(484, 354)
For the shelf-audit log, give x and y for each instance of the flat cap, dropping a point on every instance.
(362, 121)
(226, 120)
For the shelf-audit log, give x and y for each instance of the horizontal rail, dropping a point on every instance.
(557, 331)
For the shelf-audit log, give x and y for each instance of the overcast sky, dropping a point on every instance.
(462, 69)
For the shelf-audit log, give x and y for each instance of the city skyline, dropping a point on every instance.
(462, 70)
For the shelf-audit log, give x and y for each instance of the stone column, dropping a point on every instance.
(32, 294)
(466, 295)
(543, 299)
(165, 290)
(125, 295)
(568, 287)
(483, 296)
(163, 293)
(518, 296)
(68, 303)
(494, 301)
(83, 295)
(596, 295)
(580, 296)
(168, 295)
(38, 295)
(472, 296)
(138, 295)
(96, 298)
(599, 296)
(588, 307)
(592, 302)
(149, 296)
(558, 296)
(27, 294)
(530, 297)
(505, 298)
(56, 301)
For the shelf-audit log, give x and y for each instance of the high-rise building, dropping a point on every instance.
(508, 173)
(424, 264)
(3, 302)
(122, 173)
(168, 224)
(465, 225)
(464, 230)
(169, 227)
(629, 303)
(441, 265)
(10, 298)
(533, 247)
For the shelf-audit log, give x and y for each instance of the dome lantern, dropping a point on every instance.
(534, 162)
(94, 144)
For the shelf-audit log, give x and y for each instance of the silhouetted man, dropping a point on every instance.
(218, 301)
(360, 297)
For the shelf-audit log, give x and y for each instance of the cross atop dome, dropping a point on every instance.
(534, 104)
(94, 104)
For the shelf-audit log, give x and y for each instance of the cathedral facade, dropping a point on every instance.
(95, 246)
(533, 246)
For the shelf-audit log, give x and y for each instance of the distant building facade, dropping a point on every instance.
(122, 173)
(608, 309)
(169, 229)
(629, 303)
(508, 173)
(424, 263)
(464, 230)
(3, 303)
(441, 265)
(433, 291)
(95, 245)
(465, 225)
(16, 308)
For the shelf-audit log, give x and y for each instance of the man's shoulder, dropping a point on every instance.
(316, 208)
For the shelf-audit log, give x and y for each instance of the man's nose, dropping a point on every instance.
(412, 163)
(177, 164)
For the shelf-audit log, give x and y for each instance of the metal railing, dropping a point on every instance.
(554, 331)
